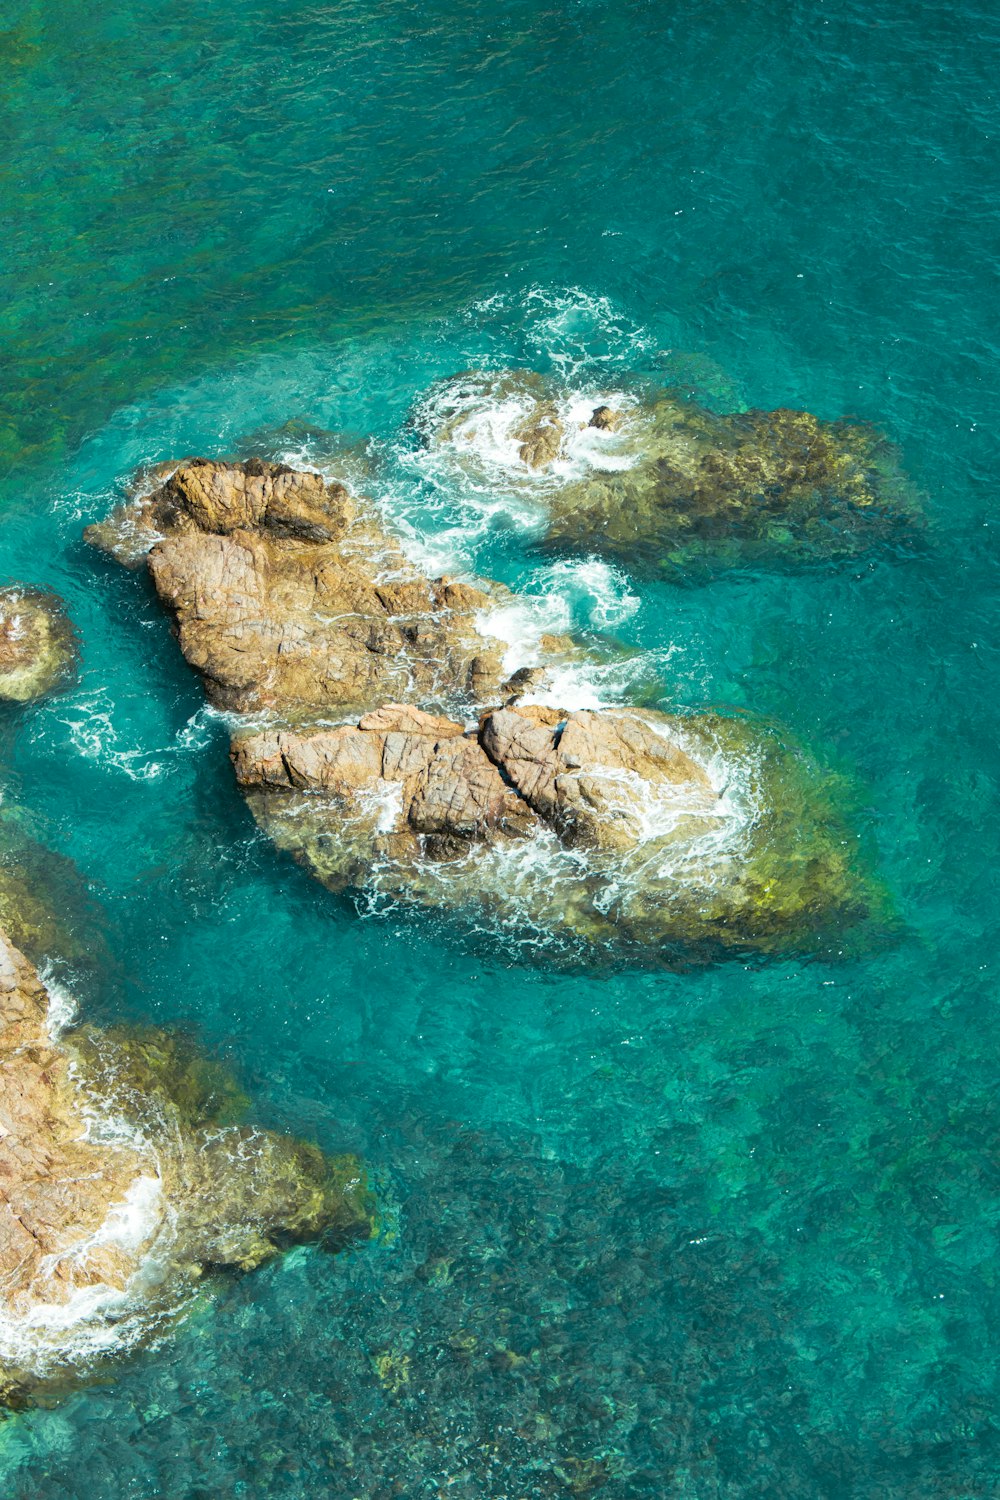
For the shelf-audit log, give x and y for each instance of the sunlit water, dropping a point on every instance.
(724, 1233)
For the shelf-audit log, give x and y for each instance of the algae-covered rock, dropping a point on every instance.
(123, 1179)
(704, 489)
(656, 834)
(37, 645)
(666, 483)
(45, 906)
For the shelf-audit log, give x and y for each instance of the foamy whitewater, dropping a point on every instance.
(472, 430)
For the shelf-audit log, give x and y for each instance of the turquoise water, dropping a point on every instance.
(719, 1234)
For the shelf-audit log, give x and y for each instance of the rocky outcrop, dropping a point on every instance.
(666, 483)
(622, 827)
(399, 757)
(122, 1181)
(289, 595)
(37, 645)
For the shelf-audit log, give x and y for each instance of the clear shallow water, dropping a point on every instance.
(718, 1234)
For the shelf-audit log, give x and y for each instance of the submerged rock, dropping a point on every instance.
(121, 1182)
(667, 483)
(654, 833)
(401, 756)
(37, 645)
(46, 909)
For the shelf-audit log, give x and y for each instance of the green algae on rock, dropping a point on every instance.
(667, 484)
(37, 645)
(45, 906)
(124, 1181)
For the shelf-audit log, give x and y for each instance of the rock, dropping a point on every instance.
(289, 595)
(605, 419)
(540, 438)
(654, 833)
(694, 487)
(400, 786)
(46, 909)
(121, 1181)
(489, 420)
(620, 827)
(37, 644)
(595, 776)
(666, 483)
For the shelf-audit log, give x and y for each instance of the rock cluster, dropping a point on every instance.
(666, 483)
(37, 645)
(399, 754)
(121, 1181)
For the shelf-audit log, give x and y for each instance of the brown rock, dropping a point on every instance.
(112, 1201)
(678, 484)
(540, 438)
(400, 783)
(610, 825)
(607, 825)
(605, 419)
(287, 596)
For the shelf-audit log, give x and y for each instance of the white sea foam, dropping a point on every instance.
(90, 718)
(473, 451)
(596, 593)
(568, 328)
(559, 599)
(384, 802)
(521, 622)
(63, 1005)
(12, 621)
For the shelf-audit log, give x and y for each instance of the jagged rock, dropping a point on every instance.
(664, 482)
(289, 595)
(37, 644)
(619, 826)
(121, 1182)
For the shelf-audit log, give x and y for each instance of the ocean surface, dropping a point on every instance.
(719, 1234)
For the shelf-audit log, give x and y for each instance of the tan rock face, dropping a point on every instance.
(540, 438)
(37, 646)
(114, 1199)
(288, 596)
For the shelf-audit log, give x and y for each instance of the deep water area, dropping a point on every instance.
(729, 1232)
